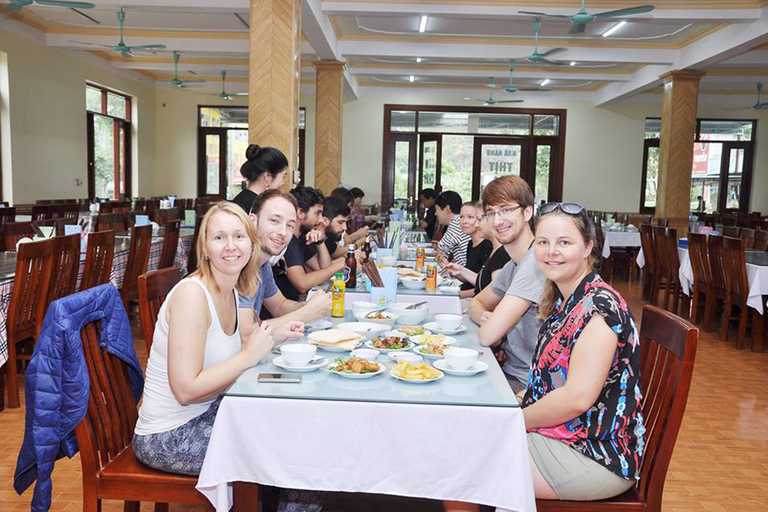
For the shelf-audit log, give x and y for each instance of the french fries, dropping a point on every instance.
(421, 371)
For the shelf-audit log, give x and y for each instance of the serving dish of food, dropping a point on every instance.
(389, 343)
(355, 368)
(420, 373)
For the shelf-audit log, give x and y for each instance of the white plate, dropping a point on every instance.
(398, 332)
(476, 368)
(447, 341)
(450, 290)
(431, 357)
(409, 356)
(338, 350)
(370, 344)
(280, 363)
(391, 374)
(432, 326)
(318, 325)
(357, 375)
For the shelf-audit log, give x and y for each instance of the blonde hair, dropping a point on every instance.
(248, 281)
(551, 293)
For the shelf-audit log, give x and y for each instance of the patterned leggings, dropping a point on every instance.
(182, 450)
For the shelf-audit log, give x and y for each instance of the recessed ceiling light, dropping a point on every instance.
(544, 82)
(418, 60)
(614, 28)
(423, 23)
(573, 63)
(411, 78)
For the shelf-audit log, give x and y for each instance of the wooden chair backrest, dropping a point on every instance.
(697, 251)
(7, 215)
(731, 231)
(662, 222)
(715, 250)
(43, 212)
(728, 220)
(138, 259)
(170, 244)
(98, 259)
(66, 264)
(599, 236)
(673, 257)
(761, 240)
(114, 221)
(748, 235)
(107, 427)
(646, 241)
(70, 211)
(34, 265)
(660, 248)
(121, 206)
(166, 215)
(153, 288)
(192, 259)
(15, 231)
(735, 265)
(667, 353)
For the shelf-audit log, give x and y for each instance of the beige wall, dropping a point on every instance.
(46, 98)
(603, 150)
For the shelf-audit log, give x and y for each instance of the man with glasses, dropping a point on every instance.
(454, 241)
(507, 310)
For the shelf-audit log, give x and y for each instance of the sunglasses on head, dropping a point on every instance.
(568, 208)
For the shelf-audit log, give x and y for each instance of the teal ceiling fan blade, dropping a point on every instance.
(640, 9)
(71, 5)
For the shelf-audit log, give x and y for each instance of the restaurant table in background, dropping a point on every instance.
(119, 263)
(619, 239)
(459, 438)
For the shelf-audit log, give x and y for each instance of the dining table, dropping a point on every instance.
(119, 264)
(619, 239)
(459, 438)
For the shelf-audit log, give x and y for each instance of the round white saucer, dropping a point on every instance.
(280, 363)
(476, 368)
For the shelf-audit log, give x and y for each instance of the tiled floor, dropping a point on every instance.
(720, 461)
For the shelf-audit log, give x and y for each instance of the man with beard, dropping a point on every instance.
(508, 308)
(307, 261)
(335, 219)
(274, 216)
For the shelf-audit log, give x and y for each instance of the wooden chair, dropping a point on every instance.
(192, 259)
(680, 301)
(69, 211)
(166, 215)
(34, 264)
(715, 246)
(98, 259)
(57, 225)
(668, 351)
(138, 259)
(662, 266)
(736, 288)
(114, 221)
(7, 215)
(649, 269)
(110, 469)
(153, 288)
(748, 235)
(662, 222)
(606, 268)
(15, 231)
(66, 264)
(702, 277)
(170, 244)
(731, 231)
(761, 240)
(43, 212)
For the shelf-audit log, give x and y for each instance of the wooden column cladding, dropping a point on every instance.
(328, 124)
(274, 73)
(678, 129)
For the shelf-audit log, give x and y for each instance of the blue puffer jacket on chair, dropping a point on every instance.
(57, 384)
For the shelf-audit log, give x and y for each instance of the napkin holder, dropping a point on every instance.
(142, 220)
(380, 253)
(189, 218)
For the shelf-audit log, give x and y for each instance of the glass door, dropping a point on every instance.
(736, 160)
(494, 157)
(402, 160)
(237, 144)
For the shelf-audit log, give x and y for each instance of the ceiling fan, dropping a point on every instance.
(541, 58)
(18, 5)
(175, 81)
(580, 19)
(757, 105)
(490, 100)
(513, 88)
(122, 48)
(224, 95)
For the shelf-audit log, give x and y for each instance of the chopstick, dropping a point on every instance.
(373, 273)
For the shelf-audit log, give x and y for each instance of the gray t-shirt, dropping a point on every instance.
(267, 288)
(524, 280)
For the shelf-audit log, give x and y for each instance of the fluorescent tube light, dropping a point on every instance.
(418, 60)
(573, 63)
(423, 23)
(411, 78)
(545, 82)
(614, 28)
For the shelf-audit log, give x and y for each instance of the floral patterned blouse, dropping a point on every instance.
(611, 431)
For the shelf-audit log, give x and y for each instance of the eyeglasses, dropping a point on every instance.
(568, 208)
(503, 213)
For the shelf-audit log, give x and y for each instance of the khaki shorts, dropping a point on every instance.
(571, 475)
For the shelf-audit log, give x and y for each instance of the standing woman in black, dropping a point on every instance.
(265, 168)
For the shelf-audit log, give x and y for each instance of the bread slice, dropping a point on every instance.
(336, 338)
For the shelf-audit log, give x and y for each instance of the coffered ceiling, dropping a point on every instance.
(463, 44)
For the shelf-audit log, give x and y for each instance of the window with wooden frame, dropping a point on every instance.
(464, 148)
(109, 142)
(721, 174)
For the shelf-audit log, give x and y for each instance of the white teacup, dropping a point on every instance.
(298, 354)
(368, 354)
(460, 358)
(448, 322)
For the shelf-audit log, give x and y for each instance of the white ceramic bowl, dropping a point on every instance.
(390, 319)
(365, 353)
(414, 283)
(298, 354)
(460, 358)
(409, 316)
(450, 290)
(365, 329)
(408, 356)
(358, 306)
(389, 261)
(448, 322)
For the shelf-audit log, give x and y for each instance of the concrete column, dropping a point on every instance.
(328, 126)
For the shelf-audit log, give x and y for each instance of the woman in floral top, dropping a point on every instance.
(582, 403)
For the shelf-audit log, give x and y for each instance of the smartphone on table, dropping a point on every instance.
(278, 377)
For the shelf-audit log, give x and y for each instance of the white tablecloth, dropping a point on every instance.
(620, 239)
(442, 452)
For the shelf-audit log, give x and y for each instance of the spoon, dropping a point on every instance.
(415, 306)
